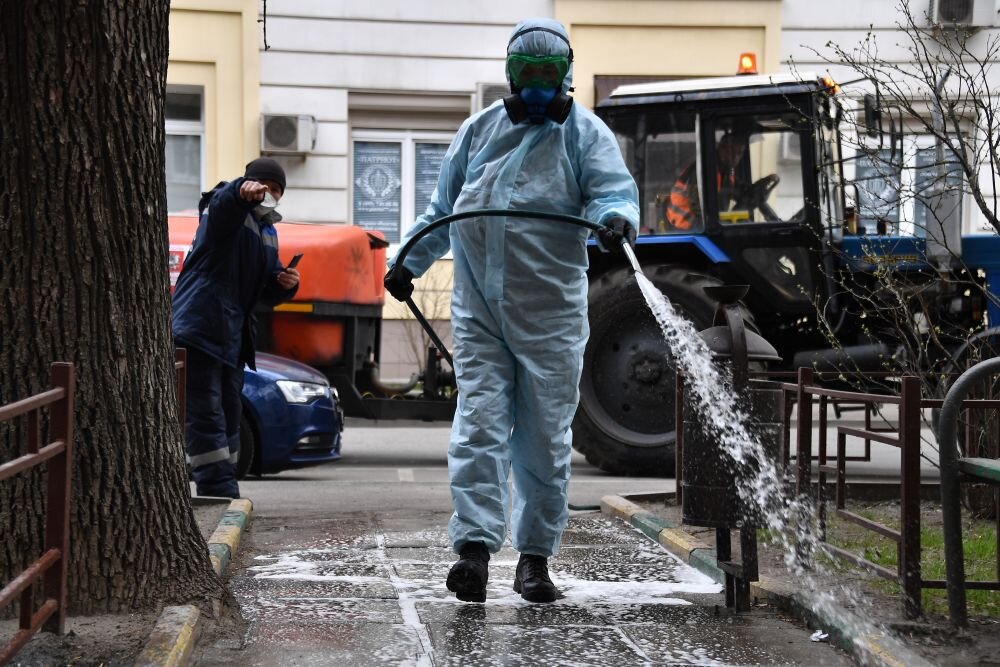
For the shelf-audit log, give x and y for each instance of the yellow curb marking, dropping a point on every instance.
(873, 644)
(216, 564)
(242, 505)
(677, 540)
(620, 507)
(167, 650)
(228, 535)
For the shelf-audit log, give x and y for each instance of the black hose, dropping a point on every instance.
(481, 213)
(495, 213)
(438, 343)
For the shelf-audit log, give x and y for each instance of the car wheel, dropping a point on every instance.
(248, 446)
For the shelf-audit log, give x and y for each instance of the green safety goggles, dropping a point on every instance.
(537, 71)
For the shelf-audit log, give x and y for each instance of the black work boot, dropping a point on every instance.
(467, 578)
(532, 579)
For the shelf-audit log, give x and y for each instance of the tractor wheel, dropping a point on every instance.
(625, 422)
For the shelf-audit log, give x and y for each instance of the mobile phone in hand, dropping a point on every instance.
(295, 260)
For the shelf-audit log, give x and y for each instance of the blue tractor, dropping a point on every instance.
(742, 180)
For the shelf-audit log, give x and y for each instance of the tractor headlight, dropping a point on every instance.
(302, 392)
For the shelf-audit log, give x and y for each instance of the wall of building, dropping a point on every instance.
(396, 68)
(213, 45)
(388, 65)
(667, 38)
(363, 68)
(806, 41)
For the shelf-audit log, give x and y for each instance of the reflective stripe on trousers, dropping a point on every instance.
(212, 427)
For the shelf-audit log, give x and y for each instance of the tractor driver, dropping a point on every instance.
(683, 210)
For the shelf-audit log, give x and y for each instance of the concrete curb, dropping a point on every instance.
(172, 642)
(879, 650)
(225, 541)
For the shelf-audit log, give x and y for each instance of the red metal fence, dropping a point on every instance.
(51, 565)
(906, 437)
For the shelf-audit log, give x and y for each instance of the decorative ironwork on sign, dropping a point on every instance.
(377, 169)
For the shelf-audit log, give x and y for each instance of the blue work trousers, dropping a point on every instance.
(212, 424)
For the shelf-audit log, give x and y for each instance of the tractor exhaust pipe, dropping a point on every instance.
(861, 357)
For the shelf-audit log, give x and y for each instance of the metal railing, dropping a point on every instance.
(906, 437)
(951, 478)
(51, 566)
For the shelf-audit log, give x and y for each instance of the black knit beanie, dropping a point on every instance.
(266, 169)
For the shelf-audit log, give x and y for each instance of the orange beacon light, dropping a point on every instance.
(748, 63)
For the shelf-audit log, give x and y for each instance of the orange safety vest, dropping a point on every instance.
(681, 205)
(682, 209)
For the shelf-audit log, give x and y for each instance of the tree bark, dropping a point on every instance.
(83, 278)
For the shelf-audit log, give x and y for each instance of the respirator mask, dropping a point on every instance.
(536, 84)
(266, 205)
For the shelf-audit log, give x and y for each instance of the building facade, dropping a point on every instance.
(808, 41)
(376, 91)
(213, 101)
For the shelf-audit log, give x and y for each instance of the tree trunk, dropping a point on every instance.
(83, 278)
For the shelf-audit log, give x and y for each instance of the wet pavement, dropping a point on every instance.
(367, 588)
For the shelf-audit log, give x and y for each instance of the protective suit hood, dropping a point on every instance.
(542, 43)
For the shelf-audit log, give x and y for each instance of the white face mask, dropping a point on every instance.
(268, 204)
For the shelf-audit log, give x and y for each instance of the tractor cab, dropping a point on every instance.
(729, 166)
(739, 183)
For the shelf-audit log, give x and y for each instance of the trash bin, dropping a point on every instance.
(709, 479)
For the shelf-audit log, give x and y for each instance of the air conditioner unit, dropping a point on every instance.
(487, 94)
(962, 13)
(285, 134)
(791, 147)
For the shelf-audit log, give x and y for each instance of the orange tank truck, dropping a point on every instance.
(335, 321)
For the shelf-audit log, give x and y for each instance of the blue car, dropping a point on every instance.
(291, 417)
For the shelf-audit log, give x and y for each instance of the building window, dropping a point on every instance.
(394, 175)
(185, 130)
(902, 190)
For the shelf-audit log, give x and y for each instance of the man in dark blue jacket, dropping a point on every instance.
(233, 265)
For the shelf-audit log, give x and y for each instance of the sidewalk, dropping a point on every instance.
(849, 627)
(367, 588)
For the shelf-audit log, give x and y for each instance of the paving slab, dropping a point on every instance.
(277, 643)
(584, 531)
(449, 613)
(369, 590)
(472, 644)
(729, 642)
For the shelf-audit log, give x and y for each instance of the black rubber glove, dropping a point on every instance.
(399, 282)
(616, 229)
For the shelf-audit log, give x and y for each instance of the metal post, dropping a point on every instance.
(803, 450)
(909, 442)
(841, 470)
(786, 435)
(821, 488)
(748, 556)
(951, 506)
(679, 436)
(60, 490)
(724, 554)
